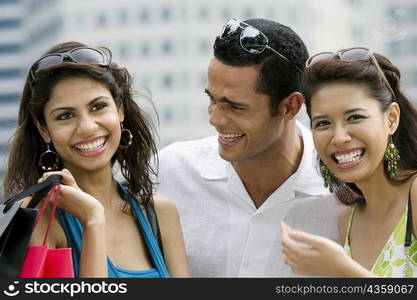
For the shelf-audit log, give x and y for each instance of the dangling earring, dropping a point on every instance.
(126, 137)
(326, 174)
(49, 160)
(391, 158)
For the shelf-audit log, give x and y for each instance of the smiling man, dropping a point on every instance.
(233, 190)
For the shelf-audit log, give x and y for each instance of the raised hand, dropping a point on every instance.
(310, 254)
(73, 200)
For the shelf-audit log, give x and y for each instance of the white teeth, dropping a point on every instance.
(230, 137)
(349, 157)
(97, 144)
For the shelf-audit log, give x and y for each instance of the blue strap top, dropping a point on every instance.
(74, 232)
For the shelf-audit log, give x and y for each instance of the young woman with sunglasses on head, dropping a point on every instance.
(77, 118)
(365, 132)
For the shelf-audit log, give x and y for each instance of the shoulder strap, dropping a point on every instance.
(347, 240)
(153, 221)
(151, 216)
(407, 242)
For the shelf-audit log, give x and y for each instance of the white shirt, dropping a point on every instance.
(225, 234)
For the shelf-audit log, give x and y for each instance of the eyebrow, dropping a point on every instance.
(72, 108)
(349, 111)
(227, 100)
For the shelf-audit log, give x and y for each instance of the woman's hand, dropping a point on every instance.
(73, 200)
(310, 254)
(90, 213)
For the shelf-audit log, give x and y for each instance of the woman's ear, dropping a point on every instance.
(393, 117)
(43, 131)
(121, 113)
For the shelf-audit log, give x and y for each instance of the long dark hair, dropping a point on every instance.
(365, 73)
(27, 144)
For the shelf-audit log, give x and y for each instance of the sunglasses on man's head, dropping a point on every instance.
(252, 40)
(83, 55)
(351, 55)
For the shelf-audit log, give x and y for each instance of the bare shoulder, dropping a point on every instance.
(168, 218)
(164, 206)
(343, 223)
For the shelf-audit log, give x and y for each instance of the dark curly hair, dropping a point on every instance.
(366, 73)
(27, 143)
(277, 78)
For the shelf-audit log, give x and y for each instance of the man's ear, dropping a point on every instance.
(393, 117)
(43, 131)
(292, 105)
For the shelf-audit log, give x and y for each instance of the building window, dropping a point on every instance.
(9, 98)
(8, 123)
(167, 81)
(167, 47)
(10, 73)
(168, 115)
(102, 19)
(144, 15)
(9, 1)
(123, 17)
(166, 14)
(10, 48)
(4, 148)
(10, 24)
(46, 31)
(203, 13)
(145, 50)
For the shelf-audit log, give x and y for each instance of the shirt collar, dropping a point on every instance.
(307, 179)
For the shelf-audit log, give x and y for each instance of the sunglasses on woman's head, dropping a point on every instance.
(252, 40)
(82, 55)
(351, 55)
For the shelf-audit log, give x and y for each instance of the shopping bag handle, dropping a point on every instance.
(40, 190)
(56, 190)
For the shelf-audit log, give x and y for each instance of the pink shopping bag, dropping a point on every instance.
(42, 262)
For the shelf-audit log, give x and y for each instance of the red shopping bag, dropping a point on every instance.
(42, 262)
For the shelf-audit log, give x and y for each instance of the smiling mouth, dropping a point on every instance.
(93, 146)
(349, 157)
(230, 137)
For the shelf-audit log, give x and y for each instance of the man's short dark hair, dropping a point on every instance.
(277, 78)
